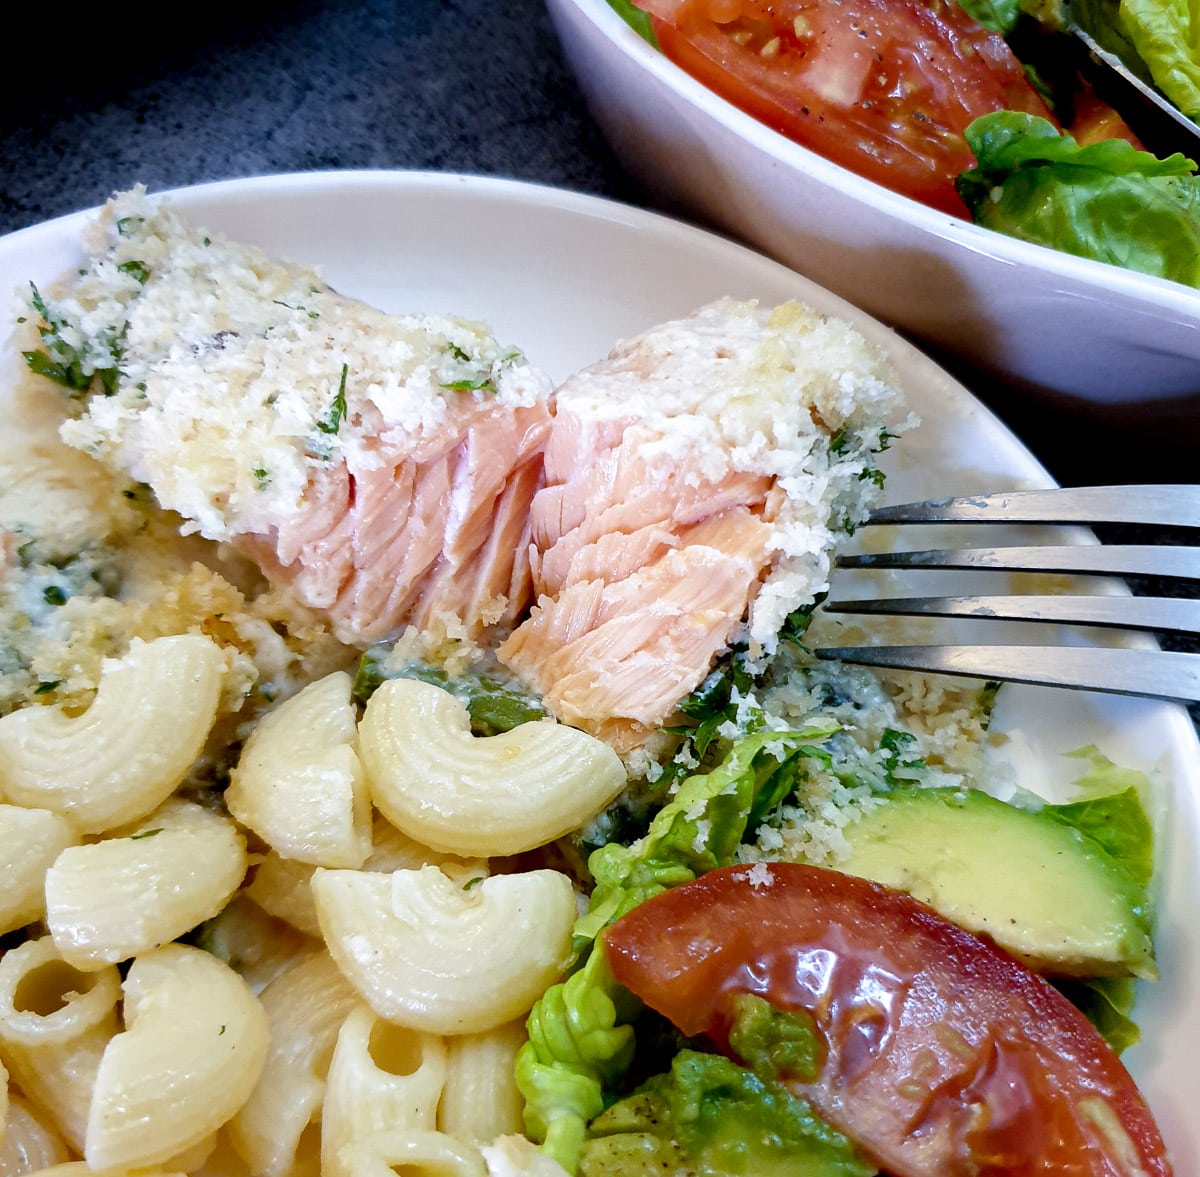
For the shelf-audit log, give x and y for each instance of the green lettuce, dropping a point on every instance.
(635, 18)
(701, 828)
(1107, 201)
(1110, 811)
(1107, 1002)
(579, 1037)
(998, 15)
(1166, 34)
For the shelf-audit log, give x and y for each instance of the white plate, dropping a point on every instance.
(1098, 335)
(566, 275)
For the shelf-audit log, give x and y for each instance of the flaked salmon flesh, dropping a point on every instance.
(440, 530)
(684, 474)
(609, 538)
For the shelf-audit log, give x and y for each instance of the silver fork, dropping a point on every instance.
(1151, 672)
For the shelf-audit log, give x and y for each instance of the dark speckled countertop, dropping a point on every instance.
(143, 93)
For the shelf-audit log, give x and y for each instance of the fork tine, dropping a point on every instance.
(1153, 673)
(1176, 506)
(1165, 560)
(1160, 614)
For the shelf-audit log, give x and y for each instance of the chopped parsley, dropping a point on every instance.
(839, 443)
(899, 763)
(46, 688)
(262, 478)
(304, 310)
(52, 594)
(487, 384)
(136, 269)
(146, 833)
(64, 362)
(479, 383)
(332, 420)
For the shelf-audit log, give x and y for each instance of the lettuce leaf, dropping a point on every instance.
(1110, 811)
(1106, 1002)
(635, 18)
(579, 1037)
(1107, 201)
(998, 15)
(701, 828)
(1166, 34)
(1101, 19)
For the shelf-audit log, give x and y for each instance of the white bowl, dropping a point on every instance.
(1094, 334)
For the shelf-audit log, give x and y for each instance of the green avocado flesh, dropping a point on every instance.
(1039, 888)
(708, 1117)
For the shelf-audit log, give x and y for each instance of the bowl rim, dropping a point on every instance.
(1104, 279)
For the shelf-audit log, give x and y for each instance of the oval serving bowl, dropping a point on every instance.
(1082, 332)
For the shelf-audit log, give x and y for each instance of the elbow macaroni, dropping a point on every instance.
(382, 1077)
(126, 754)
(372, 1016)
(467, 794)
(415, 1154)
(446, 955)
(298, 783)
(30, 841)
(109, 900)
(30, 1143)
(55, 1023)
(481, 1100)
(306, 1006)
(194, 1044)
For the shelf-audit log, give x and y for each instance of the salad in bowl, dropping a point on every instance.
(989, 204)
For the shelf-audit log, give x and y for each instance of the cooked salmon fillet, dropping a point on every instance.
(379, 467)
(695, 483)
(609, 538)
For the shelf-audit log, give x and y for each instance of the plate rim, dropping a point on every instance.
(1176, 722)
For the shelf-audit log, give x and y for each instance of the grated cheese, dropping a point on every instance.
(241, 374)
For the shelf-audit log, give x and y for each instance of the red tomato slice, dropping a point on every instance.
(945, 1057)
(882, 87)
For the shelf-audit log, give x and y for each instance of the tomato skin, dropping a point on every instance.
(945, 1056)
(1095, 120)
(882, 87)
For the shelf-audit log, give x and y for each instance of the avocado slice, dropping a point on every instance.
(1040, 888)
(709, 1117)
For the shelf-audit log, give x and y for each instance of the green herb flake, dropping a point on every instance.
(146, 833)
(52, 594)
(303, 310)
(484, 385)
(136, 269)
(839, 443)
(73, 367)
(262, 478)
(46, 688)
(332, 421)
